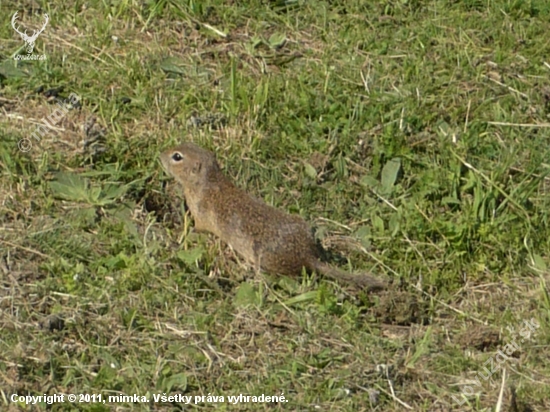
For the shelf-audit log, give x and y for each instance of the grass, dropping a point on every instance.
(413, 135)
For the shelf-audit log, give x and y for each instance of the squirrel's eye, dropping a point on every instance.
(177, 157)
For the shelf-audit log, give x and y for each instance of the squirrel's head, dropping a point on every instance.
(188, 163)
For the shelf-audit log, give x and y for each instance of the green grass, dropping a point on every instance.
(414, 135)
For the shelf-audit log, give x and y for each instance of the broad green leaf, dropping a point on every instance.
(93, 195)
(394, 224)
(85, 215)
(389, 173)
(190, 256)
(539, 262)
(422, 348)
(378, 224)
(123, 213)
(369, 181)
(173, 65)
(277, 40)
(304, 297)
(448, 200)
(112, 192)
(8, 69)
(310, 171)
(247, 295)
(364, 234)
(255, 42)
(290, 285)
(70, 186)
(178, 380)
(117, 262)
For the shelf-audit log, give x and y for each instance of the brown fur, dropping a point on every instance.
(267, 238)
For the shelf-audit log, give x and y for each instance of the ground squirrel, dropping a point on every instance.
(268, 238)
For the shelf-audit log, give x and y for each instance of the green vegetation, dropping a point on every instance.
(414, 135)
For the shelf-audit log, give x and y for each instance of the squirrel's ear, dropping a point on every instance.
(197, 167)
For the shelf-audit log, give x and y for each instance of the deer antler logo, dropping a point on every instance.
(29, 40)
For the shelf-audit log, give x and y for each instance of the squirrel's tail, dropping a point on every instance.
(363, 280)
